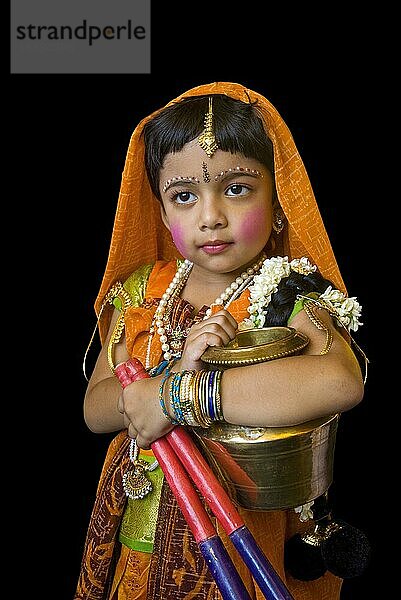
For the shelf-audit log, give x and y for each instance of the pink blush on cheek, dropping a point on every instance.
(178, 238)
(253, 225)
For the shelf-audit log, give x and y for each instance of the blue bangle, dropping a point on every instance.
(175, 398)
(161, 396)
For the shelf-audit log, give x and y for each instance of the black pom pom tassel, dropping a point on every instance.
(330, 546)
(346, 551)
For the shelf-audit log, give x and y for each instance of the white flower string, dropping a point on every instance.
(266, 283)
(305, 511)
(347, 309)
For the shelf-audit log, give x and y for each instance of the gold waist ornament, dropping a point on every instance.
(268, 468)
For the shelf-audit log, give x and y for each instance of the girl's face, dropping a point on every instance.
(218, 209)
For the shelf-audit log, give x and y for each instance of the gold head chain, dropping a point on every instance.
(207, 140)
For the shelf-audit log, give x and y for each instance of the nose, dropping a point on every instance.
(211, 214)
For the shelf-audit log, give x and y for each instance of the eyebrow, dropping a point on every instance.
(178, 180)
(238, 171)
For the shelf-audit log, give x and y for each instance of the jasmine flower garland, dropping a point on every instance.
(266, 282)
(348, 310)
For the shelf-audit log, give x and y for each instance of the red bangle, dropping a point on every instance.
(123, 377)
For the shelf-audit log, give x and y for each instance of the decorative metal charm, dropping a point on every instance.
(135, 483)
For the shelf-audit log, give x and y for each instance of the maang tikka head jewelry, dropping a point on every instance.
(206, 140)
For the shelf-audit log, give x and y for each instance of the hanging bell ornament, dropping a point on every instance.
(135, 483)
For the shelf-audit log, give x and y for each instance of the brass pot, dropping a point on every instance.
(268, 468)
(272, 468)
(252, 346)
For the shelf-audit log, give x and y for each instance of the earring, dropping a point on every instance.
(278, 221)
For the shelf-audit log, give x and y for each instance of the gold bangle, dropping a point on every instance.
(116, 291)
(197, 383)
(309, 308)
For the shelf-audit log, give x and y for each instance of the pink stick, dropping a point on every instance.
(205, 479)
(182, 488)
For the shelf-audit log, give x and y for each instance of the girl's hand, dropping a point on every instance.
(143, 416)
(216, 330)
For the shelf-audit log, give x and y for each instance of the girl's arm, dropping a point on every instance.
(278, 393)
(295, 389)
(101, 399)
(109, 408)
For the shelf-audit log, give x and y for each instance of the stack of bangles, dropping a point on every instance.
(194, 397)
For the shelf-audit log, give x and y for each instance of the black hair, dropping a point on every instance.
(236, 126)
(282, 302)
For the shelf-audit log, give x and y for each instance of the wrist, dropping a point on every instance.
(192, 397)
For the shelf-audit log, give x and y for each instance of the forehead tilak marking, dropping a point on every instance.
(206, 174)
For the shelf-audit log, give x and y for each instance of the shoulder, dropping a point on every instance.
(160, 277)
(149, 280)
(132, 290)
(136, 283)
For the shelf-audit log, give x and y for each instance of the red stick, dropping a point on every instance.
(205, 479)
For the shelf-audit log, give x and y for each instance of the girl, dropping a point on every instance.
(216, 230)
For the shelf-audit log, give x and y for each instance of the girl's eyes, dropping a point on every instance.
(185, 197)
(237, 189)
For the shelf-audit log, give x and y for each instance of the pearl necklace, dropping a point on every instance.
(224, 300)
(236, 288)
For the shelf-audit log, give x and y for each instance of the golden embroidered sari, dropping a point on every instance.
(176, 568)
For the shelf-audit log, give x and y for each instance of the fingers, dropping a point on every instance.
(132, 432)
(219, 323)
(228, 316)
(217, 337)
(224, 318)
(142, 443)
(217, 330)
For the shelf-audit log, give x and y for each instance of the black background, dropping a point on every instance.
(70, 136)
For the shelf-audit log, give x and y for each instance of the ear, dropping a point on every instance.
(164, 216)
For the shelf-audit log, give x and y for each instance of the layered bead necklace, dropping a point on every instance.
(160, 323)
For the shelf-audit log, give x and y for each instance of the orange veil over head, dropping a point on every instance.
(139, 236)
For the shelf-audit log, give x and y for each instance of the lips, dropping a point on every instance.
(215, 246)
